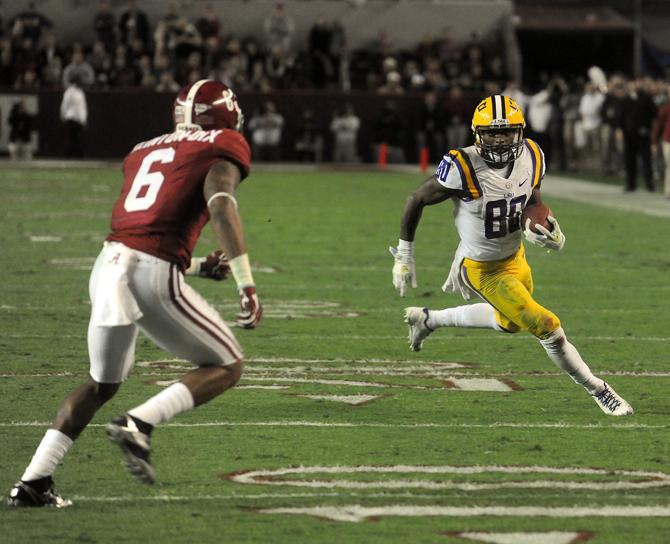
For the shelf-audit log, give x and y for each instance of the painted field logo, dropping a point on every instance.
(465, 478)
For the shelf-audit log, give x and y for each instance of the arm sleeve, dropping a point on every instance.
(450, 175)
(447, 174)
(231, 145)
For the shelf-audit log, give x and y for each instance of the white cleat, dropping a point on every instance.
(417, 319)
(611, 403)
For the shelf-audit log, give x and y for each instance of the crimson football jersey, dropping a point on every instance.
(161, 209)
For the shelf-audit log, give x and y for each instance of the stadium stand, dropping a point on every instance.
(318, 55)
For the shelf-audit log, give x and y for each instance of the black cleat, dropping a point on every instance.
(135, 445)
(29, 494)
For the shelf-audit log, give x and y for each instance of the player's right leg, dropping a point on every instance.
(111, 355)
(180, 321)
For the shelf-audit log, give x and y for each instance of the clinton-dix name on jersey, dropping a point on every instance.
(161, 209)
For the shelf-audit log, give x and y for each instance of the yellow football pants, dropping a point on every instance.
(507, 285)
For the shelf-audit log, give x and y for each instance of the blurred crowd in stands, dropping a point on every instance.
(590, 124)
(130, 52)
(598, 125)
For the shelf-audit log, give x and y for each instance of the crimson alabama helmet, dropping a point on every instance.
(207, 105)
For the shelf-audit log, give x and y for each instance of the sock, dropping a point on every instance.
(49, 453)
(164, 406)
(480, 315)
(567, 358)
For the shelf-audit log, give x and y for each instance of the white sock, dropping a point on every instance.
(164, 406)
(567, 358)
(49, 453)
(480, 315)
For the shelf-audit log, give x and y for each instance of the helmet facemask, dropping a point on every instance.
(499, 145)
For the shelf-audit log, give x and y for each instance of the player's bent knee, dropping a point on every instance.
(236, 371)
(555, 341)
(103, 391)
(509, 328)
(545, 326)
(227, 376)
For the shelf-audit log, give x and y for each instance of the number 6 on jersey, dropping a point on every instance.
(147, 184)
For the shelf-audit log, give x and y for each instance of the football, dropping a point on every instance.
(537, 213)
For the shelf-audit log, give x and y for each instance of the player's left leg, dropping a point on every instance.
(422, 321)
(511, 293)
(477, 275)
(180, 321)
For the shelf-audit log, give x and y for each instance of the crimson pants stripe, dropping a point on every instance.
(215, 333)
(203, 316)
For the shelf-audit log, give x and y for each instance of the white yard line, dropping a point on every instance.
(357, 513)
(302, 375)
(400, 338)
(292, 423)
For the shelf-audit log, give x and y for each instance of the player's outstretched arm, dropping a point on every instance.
(404, 271)
(219, 191)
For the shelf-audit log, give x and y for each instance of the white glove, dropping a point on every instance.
(551, 239)
(403, 272)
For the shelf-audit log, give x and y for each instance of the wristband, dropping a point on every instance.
(241, 270)
(406, 249)
(194, 268)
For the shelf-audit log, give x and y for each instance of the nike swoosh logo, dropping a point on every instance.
(523, 182)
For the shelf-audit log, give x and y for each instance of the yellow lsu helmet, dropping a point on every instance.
(498, 125)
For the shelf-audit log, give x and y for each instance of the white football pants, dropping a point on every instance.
(173, 315)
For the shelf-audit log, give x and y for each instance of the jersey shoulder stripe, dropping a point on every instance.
(471, 187)
(537, 158)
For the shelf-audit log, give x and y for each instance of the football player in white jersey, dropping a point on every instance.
(491, 182)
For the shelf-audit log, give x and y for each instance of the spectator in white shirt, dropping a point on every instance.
(345, 128)
(589, 110)
(74, 113)
(540, 110)
(80, 69)
(266, 131)
(516, 93)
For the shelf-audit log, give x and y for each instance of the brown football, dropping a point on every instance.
(537, 213)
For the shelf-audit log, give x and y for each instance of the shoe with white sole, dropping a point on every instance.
(611, 403)
(417, 319)
(135, 445)
(36, 493)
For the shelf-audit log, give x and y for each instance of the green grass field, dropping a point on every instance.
(429, 454)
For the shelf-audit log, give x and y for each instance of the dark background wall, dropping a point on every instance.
(117, 121)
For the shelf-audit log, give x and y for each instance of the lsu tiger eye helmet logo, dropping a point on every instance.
(498, 125)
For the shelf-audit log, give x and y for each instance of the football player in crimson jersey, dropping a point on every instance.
(173, 185)
(490, 183)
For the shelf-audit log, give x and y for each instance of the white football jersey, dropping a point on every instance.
(488, 210)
